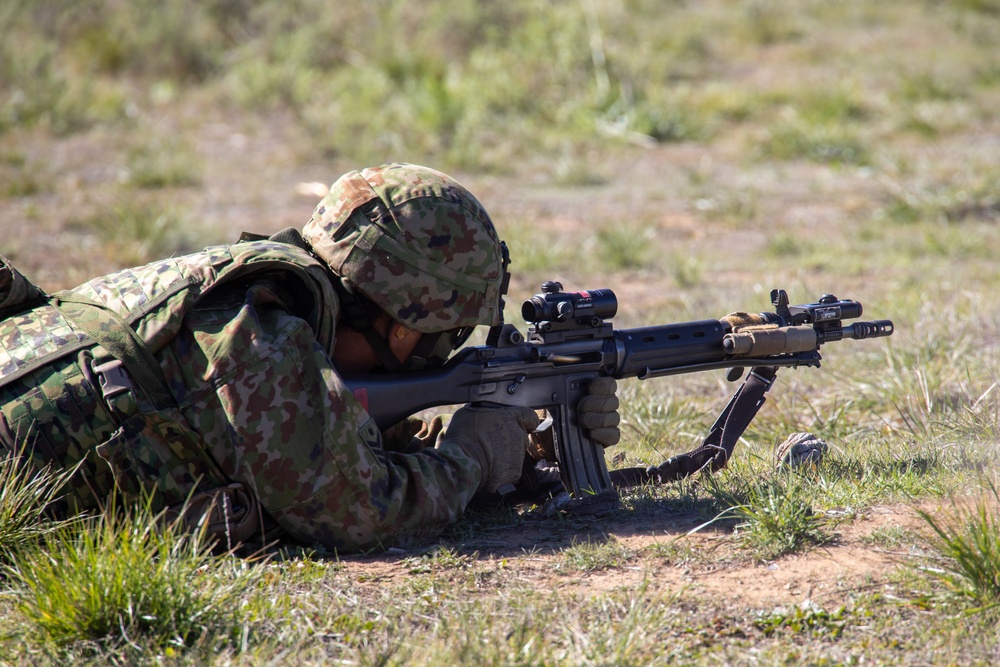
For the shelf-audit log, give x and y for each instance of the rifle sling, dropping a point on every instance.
(718, 446)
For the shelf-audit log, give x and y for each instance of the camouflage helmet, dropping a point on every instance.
(415, 242)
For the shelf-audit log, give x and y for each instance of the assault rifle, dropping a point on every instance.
(569, 342)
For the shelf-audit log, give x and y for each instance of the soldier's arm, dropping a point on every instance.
(316, 460)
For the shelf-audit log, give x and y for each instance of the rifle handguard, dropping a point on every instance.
(770, 341)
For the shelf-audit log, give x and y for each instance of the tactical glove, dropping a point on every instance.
(496, 438)
(598, 412)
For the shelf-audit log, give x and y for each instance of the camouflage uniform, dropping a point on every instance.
(242, 338)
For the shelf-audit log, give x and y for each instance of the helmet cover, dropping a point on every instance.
(415, 242)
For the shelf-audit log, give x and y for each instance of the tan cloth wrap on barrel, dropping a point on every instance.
(767, 342)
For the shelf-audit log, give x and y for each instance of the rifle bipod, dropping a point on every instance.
(715, 450)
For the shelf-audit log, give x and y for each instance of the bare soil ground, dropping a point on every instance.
(710, 563)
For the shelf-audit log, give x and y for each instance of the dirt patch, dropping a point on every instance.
(662, 556)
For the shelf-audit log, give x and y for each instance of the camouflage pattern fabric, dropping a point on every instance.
(155, 455)
(55, 413)
(50, 401)
(415, 242)
(282, 421)
(16, 291)
(242, 335)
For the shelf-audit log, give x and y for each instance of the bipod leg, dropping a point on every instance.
(715, 450)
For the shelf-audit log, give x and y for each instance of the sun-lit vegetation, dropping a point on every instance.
(689, 155)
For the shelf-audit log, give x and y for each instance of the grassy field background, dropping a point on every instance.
(690, 155)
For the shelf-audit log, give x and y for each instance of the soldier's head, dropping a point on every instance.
(416, 245)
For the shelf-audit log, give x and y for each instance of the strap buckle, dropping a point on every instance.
(116, 386)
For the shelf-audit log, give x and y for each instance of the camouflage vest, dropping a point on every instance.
(80, 384)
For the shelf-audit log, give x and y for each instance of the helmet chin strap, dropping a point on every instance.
(357, 317)
(430, 352)
(386, 357)
(493, 337)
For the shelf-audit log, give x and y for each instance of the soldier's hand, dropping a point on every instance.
(412, 435)
(598, 412)
(496, 438)
(428, 434)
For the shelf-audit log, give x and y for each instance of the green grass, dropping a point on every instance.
(622, 247)
(136, 231)
(447, 84)
(967, 545)
(808, 619)
(126, 581)
(533, 254)
(775, 514)
(20, 178)
(591, 556)
(163, 163)
(970, 200)
(835, 144)
(892, 537)
(441, 558)
(24, 495)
